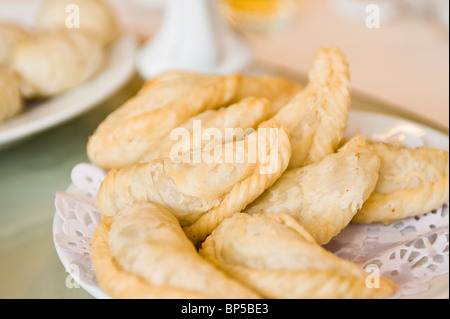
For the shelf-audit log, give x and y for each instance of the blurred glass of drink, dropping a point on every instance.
(260, 15)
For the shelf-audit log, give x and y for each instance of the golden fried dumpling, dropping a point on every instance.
(277, 89)
(50, 63)
(94, 17)
(413, 181)
(323, 197)
(10, 98)
(163, 103)
(214, 126)
(204, 188)
(11, 34)
(317, 117)
(275, 256)
(143, 253)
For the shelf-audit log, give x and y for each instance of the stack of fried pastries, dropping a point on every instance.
(181, 218)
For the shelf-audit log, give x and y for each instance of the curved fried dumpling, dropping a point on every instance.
(53, 62)
(274, 255)
(413, 181)
(316, 118)
(277, 89)
(95, 17)
(10, 98)
(143, 253)
(323, 197)
(239, 117)
(11, 34)
(162, 104)
(204, 188)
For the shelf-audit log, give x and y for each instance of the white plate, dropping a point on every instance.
(118, 68)
(76, 215)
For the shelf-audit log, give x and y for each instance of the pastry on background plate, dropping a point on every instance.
(95, 17)
(53, 62)
(11, 34)
(11, 102)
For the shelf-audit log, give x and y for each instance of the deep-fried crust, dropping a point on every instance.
(323, 197)
(161, 105)
(413, 181)
(269, 254)
(316, 117)
(202, 194)
(152, 273)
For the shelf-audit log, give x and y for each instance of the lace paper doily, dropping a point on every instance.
(411, 252)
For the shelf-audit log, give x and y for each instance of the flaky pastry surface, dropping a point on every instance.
(278, 90)
(143, 253)
(163, 103)
(275, 256)
(201, 194)
(413, 181)
(316, 117)
(213, 125)
(323, 197)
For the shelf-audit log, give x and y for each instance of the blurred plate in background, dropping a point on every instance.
(118, 69)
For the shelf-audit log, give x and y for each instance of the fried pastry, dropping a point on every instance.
(317, 117)
(143, 253)
(164, 103)
(324, 197)
(11, 34)
(90, 16)
(51, 63)
(277, 89)
(202, 191)
(10, 98)
(413, 181)
(240, 117)
(275, 256)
